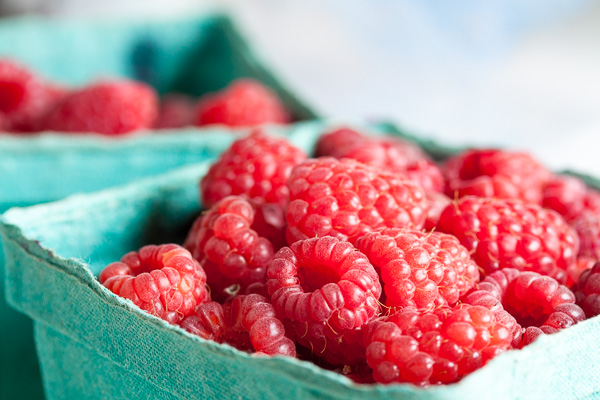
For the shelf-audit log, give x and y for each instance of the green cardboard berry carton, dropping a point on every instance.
(93, 344)
(193, 56)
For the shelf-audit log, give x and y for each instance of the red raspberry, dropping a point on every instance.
(164, 281)
(495, 173)
(437, 203)
(111, 108)
(228, 249)
(387, 153)
(419, 269)
(575, 270)
(24, 98)
(176, 111)
(269, 222)
(207, 322)
(257, 166)
(587, 291)
(534, 300)
(571, 198)
(346, 199)
(439, 346)
(504, 233)
(588, 229)
(325, 287)
(244, 102)
(329, 144)
(254, 315)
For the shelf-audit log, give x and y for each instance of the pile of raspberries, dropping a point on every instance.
(114, 107)
(372, 259)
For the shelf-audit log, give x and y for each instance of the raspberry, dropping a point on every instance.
(244, 102)
(419, 269)
(439, 346)
(257, 166)
(495, 173)
(228, 249)
(437, 203)
(571, 198)
(346, 199)
(269, 222)
(325, 288)
(176, 111)
(254, 315)
(111, 108)
(387, 153)
(504, 233)
(24, 98)
(587, 291)
(588, 229)
(575, 270)
(535, 300)
(164, 281)
(207, 322)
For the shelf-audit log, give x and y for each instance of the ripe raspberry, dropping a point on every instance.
(588, 229)
(419, 269)
(346, 199)
(535, 300)
(325, 288)
(164, 281)
(24, 98)
(244, 102)
(587, 291)
(330, 143)
(257, 166)
(254, 315)
(111, 108)
(575, 270)
(437, 203)
(387, 153)
(207, 322)
(504, 233)
(495, 173)
(571, 198)
(439, 346)
(228, 249)
(176, 111)
(269, 222)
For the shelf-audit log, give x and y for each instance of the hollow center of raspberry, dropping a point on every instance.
(12, 96)
(313, 277)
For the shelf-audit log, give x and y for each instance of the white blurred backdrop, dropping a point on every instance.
(520, 74)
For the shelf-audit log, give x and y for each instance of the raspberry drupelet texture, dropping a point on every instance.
(495, 173)
(24, 98)
(588, 230)
(110, 108)
(227, 247)
(439, 346)
(325, 288)
(208, 322)
(419, 269)
(257, 166)
(253, 315)
(242, 104)
(437, 203)
(503, 233)
(587, 291)
(571, 198)
(164, 281)
(346, 199)
(392, 154)
(539, 303)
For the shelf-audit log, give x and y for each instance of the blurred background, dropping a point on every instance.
(521, 74)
